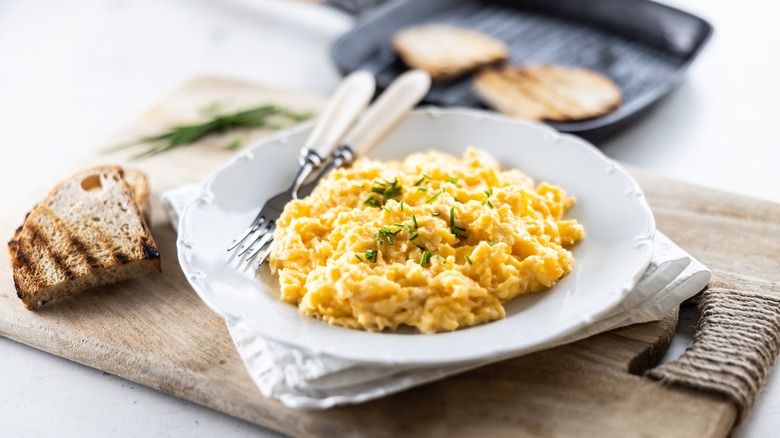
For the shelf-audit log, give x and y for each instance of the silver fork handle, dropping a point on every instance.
(385, 113)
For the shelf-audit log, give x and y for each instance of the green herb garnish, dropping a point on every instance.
(436, 214)
(441, 259)
(388, 234)
(372, 201)
(422, 180)
(426, 258)
(183, 135)
(468, 259)
(428, 201)
(388, 189)
(452, 180)
(360, 258)
(457, 231)
(452, 216)
(422, 189)
(401, 204)
(422, 248)
(414, 236)
(414, 221)
(488, 193)
(371, 254)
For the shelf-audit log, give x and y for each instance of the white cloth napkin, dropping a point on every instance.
(300, 380)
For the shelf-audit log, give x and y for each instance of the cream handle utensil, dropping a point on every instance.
(390, 107)
(348, 101)
(345, 105)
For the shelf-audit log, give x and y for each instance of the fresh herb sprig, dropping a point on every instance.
(178, 136)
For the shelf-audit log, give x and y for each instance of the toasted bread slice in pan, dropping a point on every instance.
(446, 52)
(547, 92)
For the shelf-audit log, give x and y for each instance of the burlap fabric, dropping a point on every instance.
(734, 348)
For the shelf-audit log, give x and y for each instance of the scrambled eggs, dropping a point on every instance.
(433, 242)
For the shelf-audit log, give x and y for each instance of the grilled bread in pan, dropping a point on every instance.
(88, 232)
(446, 52)
(548, 92)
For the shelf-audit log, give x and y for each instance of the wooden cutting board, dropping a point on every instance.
(156, 332)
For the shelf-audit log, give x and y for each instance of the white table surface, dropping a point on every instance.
(73, 72)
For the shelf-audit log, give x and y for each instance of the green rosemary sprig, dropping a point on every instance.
(178, 136)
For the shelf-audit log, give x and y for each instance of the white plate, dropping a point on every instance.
(615, 252)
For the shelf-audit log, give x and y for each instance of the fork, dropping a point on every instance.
(348, 101)
(399, 98)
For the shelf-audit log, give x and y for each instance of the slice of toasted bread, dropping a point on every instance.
(88, 232)
(139, 185)
(546, 92)
(446, 52)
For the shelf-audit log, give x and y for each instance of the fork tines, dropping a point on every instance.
(255, 238)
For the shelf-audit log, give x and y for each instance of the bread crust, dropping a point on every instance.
(547, 92)
(89, 231)
(447, 52)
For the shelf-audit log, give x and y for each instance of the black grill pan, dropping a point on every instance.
(645, 47)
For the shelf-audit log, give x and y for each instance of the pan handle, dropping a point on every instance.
(734, 348)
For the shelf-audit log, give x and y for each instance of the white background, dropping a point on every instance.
(72, 73)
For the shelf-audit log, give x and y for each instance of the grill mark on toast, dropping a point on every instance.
(19, 293)
(47, 249)
(22, 261)
(81, 248)
(121, 257)
(75, 243)
(149, 250)
(55, 256)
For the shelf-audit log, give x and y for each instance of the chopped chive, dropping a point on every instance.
(402, 205)
(384, 207)
(372, 201)
(388, 189)
(452, 180)
(371, 254)
(488, 193)
(399, 225)
(414, 236)
(452, 216)
(457, 232)
(468, 259)
(387, 233)
(441, 259)
(436, 214)
(360, 186)
(414, 221)
(422, 248)
(434, 196)
(426, 258)
(360, 258)
(422, 189)
(408, 228)
(421, 180)
(494, 241)
(457, 200)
